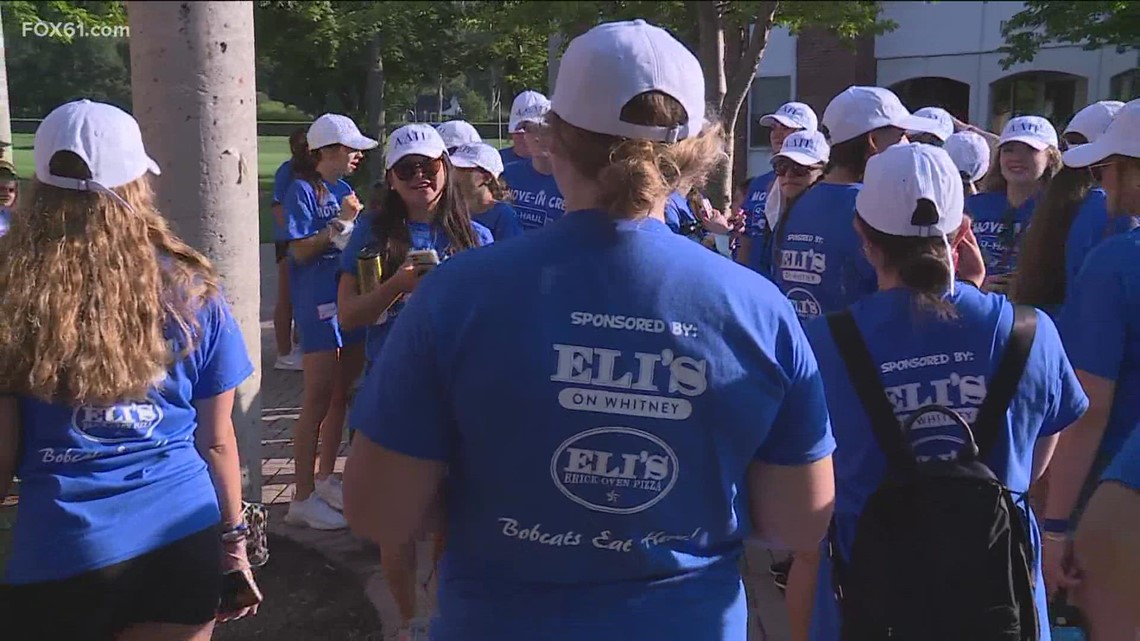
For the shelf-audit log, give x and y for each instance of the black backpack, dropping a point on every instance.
(941, 550)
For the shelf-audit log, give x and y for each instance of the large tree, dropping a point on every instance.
(729, 37)
(1091, 24)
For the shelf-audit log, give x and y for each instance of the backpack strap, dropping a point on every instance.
(864, 377)
(1001, 389)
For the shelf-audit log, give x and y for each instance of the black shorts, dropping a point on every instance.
(180, 583)
(282, 250)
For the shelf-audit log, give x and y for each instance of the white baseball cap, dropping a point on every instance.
(860, 110)
(106, 138)
(1034, 131)
(900, 179)
(1121, 138)
(1091, 121)
(335, 129)
(970, 153)
(416, 139)
(457, 132)
(609, 65)
(945, 125)
(478, 155)
(796, 115)
(529, 106)
(805, 148)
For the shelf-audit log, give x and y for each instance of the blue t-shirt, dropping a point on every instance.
(818, 260)
(424, 236)
(101, 484)
(998, 228)
(1090, 226)
(1125, 468)
(678, 215)
(5, 220)
(281, 181)
(593, 496)
(1100, 323)
(509, 156)
(501, 219)
(536, 196)
(923, 360)
(756, 223)
(312, 285)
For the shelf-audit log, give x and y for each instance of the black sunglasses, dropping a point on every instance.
(782, 167)
(408, 169)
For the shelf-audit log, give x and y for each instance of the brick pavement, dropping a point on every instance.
(280, 406)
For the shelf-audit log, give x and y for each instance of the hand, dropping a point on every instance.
(350, 207)
(971, 266)
(234, 560)
(714, 221)
(340, 231)
(407, 277)
(1058, 565)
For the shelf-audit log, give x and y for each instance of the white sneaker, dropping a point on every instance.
(416, 630)
(315, 514)
(331, 491)
(290, 362)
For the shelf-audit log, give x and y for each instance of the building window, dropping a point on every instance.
(1126, 86)
(1054, 95)
(951, 95)
(767, 94)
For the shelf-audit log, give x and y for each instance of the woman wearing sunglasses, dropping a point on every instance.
(421, 210)
(479, 176)
(319, 211)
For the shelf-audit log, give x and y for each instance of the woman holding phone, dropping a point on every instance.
(421, 221)
(320, 211)
(118, 362)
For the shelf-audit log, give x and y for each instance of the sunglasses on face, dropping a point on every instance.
(789, 168)
(408, 169)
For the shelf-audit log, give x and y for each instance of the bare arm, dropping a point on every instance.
(791, 505)
(1042, 455)
(306, 250)
(743, 249)
(388, 496)
(991, 138)
(217, 443)
(9, 442)
(1078, 447)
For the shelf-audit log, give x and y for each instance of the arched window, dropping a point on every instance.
(1126, 86)
(1052, 94)
(930, 91)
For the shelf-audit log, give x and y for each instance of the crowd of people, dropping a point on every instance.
(909, 355)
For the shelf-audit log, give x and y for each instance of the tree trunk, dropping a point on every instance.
(377, 124)
(711, 28)
(192, 84)
(439, 113)
(554, 44)
(5, 112)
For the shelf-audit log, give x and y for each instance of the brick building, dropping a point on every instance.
(942, 54)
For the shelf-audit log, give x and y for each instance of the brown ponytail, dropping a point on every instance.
(923, 266)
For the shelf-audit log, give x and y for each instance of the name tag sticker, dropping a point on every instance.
(326, 311)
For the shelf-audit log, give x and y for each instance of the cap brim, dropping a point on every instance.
(1086, 154)
(152, 166)
(799, 158)
(771, 119)
(920, 125)
(1036, 143)
(360, 143)
(465, 163)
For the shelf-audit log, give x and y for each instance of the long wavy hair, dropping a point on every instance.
(93, 291)
(451, 215)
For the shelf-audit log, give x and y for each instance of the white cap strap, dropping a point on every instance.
(79, 184)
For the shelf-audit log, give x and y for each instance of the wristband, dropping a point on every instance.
(1055, 526)
(236, 533)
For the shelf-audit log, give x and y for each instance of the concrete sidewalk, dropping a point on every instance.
(281, 402)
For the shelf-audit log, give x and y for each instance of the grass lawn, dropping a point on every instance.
(271, 152)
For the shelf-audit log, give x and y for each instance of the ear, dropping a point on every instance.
(872, 149)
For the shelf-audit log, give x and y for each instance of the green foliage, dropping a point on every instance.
(275, 110)
(1090, 24)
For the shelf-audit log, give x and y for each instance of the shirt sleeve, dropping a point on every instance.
(801, 432)
(482, 234)
(508, 224)
(403, 404)
(300, 205)
(1067, 400)
(1125, 467)
(1092, 322)
(281, 182)
(223, 362)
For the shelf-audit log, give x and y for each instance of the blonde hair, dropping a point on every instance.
(636, 174)
(995, 181)
(93, 291)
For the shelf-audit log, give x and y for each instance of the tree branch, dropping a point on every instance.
(710, 22)
(745, 68)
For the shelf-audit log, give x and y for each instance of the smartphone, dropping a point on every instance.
(238, 593)
(423, 259)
